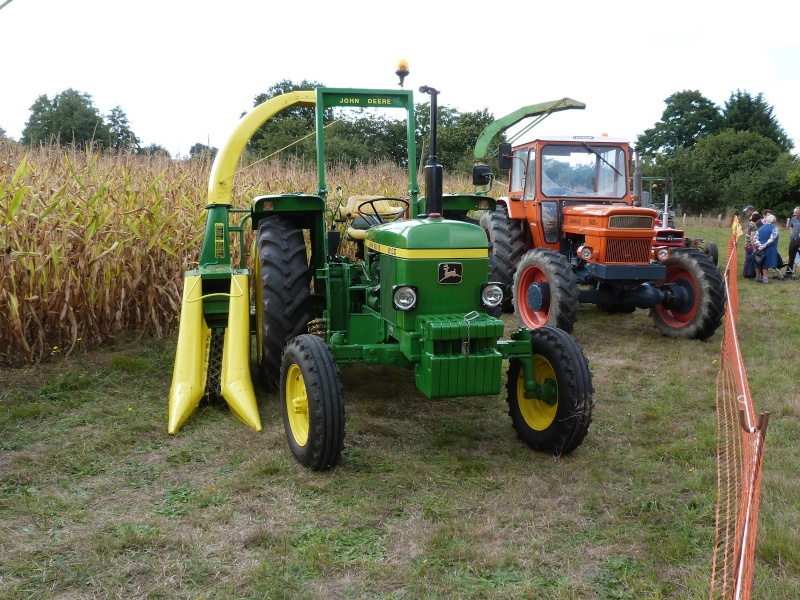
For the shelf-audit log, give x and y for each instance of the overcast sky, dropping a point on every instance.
(183, 71)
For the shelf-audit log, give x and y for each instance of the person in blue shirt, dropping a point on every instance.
(766, 240)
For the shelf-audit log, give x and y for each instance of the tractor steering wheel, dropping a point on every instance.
(374, 217)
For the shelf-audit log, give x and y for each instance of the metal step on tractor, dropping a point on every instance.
(570, 231)
(415, 293)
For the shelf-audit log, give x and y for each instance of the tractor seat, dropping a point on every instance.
(357, 229)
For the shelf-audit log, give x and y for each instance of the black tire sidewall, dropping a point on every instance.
(325, 394)
(563, 311)
(285, 290)
(707, 278)
(575, 393)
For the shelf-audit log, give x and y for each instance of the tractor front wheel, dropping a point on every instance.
(312, 403)
(545, 290)
(285, 290)
(557, 419)
(696, 297)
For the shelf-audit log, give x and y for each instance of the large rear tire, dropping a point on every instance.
(562, 368)
(506, 246)
(698, 312)
(545, 291)
(285, 290)
(312, 403)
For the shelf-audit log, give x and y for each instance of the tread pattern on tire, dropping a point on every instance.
(285, 289)
(564, 302)
(575, 397)
(507, 244)
(711, 292)
(325, 394)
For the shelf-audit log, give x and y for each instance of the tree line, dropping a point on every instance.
(716, 157)
(722, 157)
(70, 117)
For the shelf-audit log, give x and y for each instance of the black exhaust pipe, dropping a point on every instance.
(434, 172)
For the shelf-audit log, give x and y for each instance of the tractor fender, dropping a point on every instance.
(515, 208)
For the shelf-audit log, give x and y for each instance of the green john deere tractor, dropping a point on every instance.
(414, 293)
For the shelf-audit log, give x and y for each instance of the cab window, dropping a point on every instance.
(518, 170)
(530, 179)
(550, 221)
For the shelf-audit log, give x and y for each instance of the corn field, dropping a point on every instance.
(96, 244)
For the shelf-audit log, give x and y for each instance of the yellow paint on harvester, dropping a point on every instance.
(435, 253)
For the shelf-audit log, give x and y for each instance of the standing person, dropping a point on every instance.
(748, 271)
(794, 241)
(766, 239)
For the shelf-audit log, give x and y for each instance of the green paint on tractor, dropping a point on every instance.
(417, 295)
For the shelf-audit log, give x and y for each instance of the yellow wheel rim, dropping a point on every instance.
(297, 405)
(537, 414)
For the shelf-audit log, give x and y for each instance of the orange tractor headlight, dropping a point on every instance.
(662, 253)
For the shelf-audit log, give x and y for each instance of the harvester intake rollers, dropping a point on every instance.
(285, 290)
(214, 373)
(507, 244)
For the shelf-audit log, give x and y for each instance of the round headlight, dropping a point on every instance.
(586, 252)
(491, 295)
(405, 297)
(662, 253)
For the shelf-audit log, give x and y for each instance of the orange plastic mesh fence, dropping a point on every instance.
(740, 451)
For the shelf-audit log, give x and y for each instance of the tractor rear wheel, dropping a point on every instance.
(506, 245)
(556, 420)
(285, 290)
(696, 308)
(545, 290)
(312, 403)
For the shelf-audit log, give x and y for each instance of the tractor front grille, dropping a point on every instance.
(630, 222)
(628, 251)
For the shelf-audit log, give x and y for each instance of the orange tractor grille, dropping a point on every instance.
(630, 222)
(628, 251)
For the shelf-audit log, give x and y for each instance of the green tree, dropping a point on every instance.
(154, 150)
(457, 134)
(120, 136)
(354, 136)
(283, 131)
(688, 117)
(458, 140)
(201, 150)
(360, 137)
(743, 112)
(69, 118)
(733, 168)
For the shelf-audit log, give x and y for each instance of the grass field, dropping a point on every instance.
(433, 499)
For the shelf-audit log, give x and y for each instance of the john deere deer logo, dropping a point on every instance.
(450, 273)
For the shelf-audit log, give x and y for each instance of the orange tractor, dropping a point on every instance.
(570, 231)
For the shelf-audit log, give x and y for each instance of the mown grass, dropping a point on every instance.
(433, 499)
